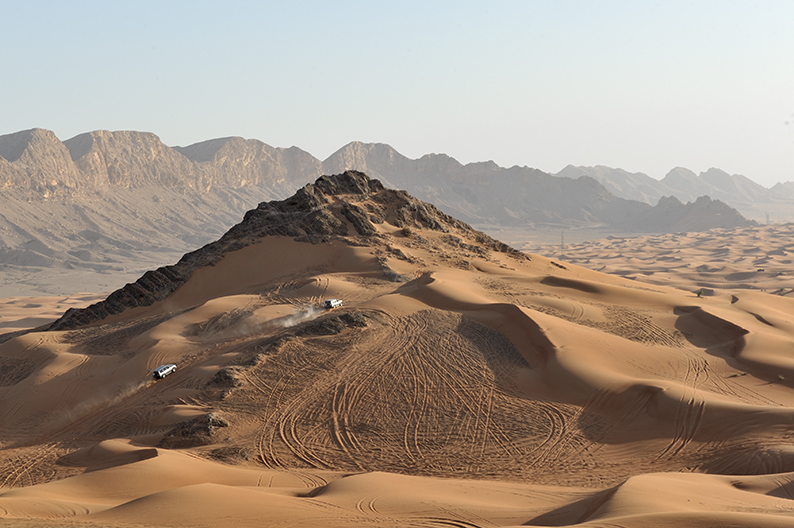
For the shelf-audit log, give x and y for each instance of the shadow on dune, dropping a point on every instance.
(752, 460)
(705, 330)
(579, 285)
(723, 339)
(577, 512)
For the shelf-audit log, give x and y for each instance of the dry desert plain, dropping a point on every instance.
(458, 385)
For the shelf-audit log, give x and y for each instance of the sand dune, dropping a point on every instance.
(457, 386)
(22, 313)
(720, 260)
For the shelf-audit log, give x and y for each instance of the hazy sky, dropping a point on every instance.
(644, 86)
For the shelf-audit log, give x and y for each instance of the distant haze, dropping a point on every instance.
(640, 86)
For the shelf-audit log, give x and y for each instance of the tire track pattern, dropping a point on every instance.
(431, 393)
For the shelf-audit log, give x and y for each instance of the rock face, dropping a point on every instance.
(130, 159)
(316, 213)
(235, 162)
(36, 160)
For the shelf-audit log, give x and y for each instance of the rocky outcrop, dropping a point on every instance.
(317, 212)
(196, 432)
(35, 159)
(130, 159)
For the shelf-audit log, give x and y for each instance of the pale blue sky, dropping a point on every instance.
(644, 86)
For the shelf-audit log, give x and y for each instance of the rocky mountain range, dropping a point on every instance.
(118, 202)
(108, 202)
(486, 194)
(740, 192)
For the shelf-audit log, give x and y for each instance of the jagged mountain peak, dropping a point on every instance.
(669, 201)
(220, 148)
(205, 151)
(371, 158)
(734, 186)
(37, 160)
(360, 146)
(13, 146)
(679, 174)
(350, 204)
(147, 144)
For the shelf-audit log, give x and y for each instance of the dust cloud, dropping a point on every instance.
(302, 314)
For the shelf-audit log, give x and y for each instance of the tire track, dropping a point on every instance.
(417, 378)
(78, 373)
(424, 393)
(688, 418)
(270, 423)
(436, 522)
(370, 510)
(288, 424)
(556, 432)
(341, 426)
(469, 385)
(691, 407)
(462, 384)
(737, 390)
(24, 465)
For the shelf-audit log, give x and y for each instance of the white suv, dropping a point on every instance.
(164, 370)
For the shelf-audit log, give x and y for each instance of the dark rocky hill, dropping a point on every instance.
(342, 207)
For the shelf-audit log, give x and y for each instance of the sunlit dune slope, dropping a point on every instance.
(560, 395)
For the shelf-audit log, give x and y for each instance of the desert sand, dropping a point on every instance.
(21, 313)
(718, 260)
(456, 386)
